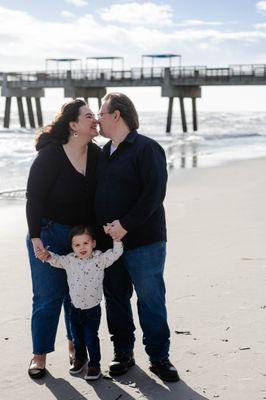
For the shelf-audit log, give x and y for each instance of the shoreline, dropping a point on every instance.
(8, 196)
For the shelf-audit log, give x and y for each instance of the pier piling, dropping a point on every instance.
(22, 92)
(39, 111)
(183, 114)
(194, 114)
(30, 112)
(7, 112)
(169, 115)
(21, 112)
(171, 90)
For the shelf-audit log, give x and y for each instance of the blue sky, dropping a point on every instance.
(212, 33)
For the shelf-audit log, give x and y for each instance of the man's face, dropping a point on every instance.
(106, 121)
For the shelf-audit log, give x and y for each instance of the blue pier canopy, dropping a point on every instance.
(112, 59)
(62, 60)
(168, 56)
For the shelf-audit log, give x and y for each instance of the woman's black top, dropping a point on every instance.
(57, 191)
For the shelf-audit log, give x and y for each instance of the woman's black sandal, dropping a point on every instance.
(35, 372)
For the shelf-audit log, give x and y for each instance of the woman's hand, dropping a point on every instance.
(39, 250)
(43, 255)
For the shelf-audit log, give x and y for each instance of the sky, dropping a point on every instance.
(214, 33)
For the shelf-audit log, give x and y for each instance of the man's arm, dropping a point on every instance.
(153, 175)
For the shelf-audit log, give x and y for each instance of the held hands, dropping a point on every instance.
(43, 255)
(115, 230)
(40, 251)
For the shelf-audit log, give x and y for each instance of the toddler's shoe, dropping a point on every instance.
(93, 373)
(77, 366)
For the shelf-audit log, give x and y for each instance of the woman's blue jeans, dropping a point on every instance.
(50, 288)
(142, 268)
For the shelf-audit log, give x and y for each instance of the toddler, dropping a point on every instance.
(85, 272)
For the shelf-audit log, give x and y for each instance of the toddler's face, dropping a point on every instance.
(83, 245)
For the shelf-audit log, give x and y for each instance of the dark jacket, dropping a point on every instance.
(131, 186)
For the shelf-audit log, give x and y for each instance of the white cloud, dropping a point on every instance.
(260, 26)
(198, 22)
(261, 6)
(77, 3)
(67, 14)
(139, 14)
(28, 41)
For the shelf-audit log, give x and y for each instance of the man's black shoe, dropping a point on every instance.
(165, 370)
(121, 364)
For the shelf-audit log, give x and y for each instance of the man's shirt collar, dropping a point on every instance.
(130, 138)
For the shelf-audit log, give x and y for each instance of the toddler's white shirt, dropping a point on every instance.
(85, 276)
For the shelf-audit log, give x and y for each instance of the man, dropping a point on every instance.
(129, 202)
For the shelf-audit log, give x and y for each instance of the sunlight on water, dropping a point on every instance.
(221, 137)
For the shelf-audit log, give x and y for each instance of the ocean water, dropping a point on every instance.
(221, 137)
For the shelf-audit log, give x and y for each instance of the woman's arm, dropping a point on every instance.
(42, 176)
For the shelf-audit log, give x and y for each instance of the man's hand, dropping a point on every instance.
(107, 228)
(115, 230)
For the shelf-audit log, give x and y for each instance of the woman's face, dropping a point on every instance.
(86, 126)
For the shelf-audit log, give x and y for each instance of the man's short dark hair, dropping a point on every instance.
(81, 230)
(119, 101)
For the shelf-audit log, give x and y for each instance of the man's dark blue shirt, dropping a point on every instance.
(131, 186)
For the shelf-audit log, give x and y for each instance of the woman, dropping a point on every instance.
(60, 194)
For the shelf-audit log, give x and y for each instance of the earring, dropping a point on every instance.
(75, 134)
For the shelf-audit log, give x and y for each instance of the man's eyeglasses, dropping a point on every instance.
(102, 113)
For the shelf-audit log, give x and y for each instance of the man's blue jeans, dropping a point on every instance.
(142, 268)
(84, 326)
(50, 288)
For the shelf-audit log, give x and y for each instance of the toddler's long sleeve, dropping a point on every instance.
(58, 261)
(111, 255)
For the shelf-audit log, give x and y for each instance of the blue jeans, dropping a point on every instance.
(142, 268)
(50, 288)
(84, 326)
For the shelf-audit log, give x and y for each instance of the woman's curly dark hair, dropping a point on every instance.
(58, 131)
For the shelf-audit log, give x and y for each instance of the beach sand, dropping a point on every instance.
(215, 276)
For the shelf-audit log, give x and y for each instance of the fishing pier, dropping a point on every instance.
(178, 82)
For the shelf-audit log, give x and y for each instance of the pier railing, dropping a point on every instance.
(244, 74)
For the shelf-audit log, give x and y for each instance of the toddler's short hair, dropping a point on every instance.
(80, 230)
